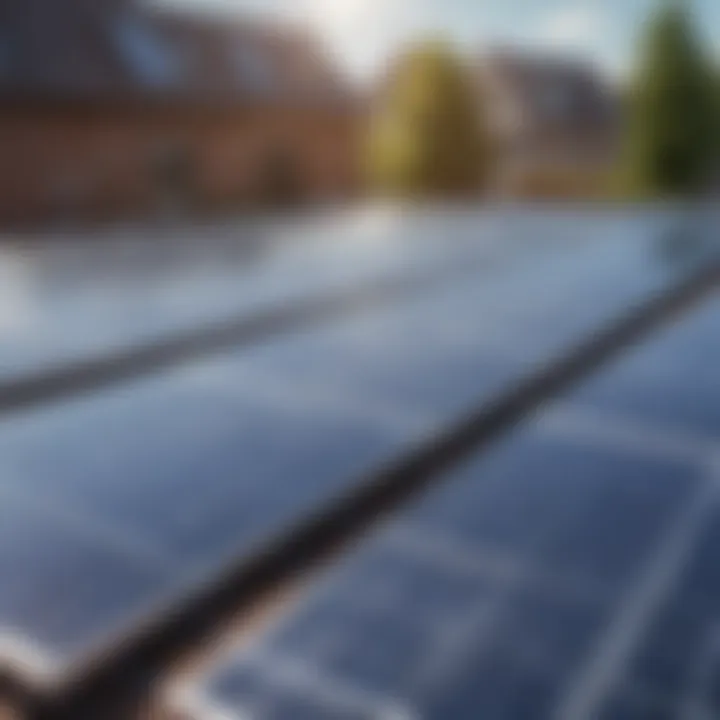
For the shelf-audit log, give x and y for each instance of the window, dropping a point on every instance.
(150, 59)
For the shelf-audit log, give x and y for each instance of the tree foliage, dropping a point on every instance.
(427, 137)
(671, 143)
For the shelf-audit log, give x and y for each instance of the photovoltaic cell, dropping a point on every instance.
(179, 473)
(567, 572)
(677, 667)
(672, 381)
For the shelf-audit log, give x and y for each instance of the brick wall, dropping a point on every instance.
(95, 162)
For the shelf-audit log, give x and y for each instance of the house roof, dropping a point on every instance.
(58, 46)
(547, 93)
(117, 49)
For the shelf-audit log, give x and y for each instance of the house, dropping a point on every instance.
(554, 121)
(110, 108)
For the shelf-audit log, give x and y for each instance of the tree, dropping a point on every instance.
(671, 145)
(427, 138)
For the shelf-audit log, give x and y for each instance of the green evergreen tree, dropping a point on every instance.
(427, 138)
(671, 143)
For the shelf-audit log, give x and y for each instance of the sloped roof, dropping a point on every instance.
(58, 46)
(552, 93)
(118, 48)
(250, 58)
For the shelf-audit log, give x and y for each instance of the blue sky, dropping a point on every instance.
(363, 32)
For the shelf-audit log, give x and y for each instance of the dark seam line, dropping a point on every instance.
(115, 684)
(85, 376)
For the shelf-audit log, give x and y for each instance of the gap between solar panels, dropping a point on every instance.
(115, 684)
(96, 373)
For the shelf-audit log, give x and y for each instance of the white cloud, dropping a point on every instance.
(363, 32)
(343, 14)
(575, 26)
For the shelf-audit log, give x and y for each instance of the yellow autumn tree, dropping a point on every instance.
(427, 137)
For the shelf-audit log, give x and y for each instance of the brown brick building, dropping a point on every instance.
(109, 109)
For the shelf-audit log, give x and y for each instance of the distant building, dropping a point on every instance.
(554, 121)
(109, 108)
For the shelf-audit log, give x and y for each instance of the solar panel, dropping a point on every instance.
(671, 382)
(570, 572)
(422, 355)
(113, 479)
(64, 300)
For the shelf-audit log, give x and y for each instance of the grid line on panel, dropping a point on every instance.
(690, 703)
(701, 689)
(199, 708)
(640, 604)
(653, 704)
(295, 672)
(459, 637)
(572, 421)
(448, 554)
(448, 636)
(116, 539)
(513, 578)
(483, 561)
(318, 397)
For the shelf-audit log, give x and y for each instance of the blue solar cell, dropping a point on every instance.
(64, 582)
(303, 708)
(381, 654)
(666, 660)
(680, 651)
(550, 502)
(670, 381)
(241, 684)
(222, 472)
(611, 536)
(354, 630)
(544, 629)
(701, 578)
(492, 686)
(633, 709)
(245, 687)
(429, 378)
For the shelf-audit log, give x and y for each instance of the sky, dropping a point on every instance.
(363, 33)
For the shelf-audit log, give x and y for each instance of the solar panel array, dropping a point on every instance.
(67, 299)
(571, 571)
(118, 503)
